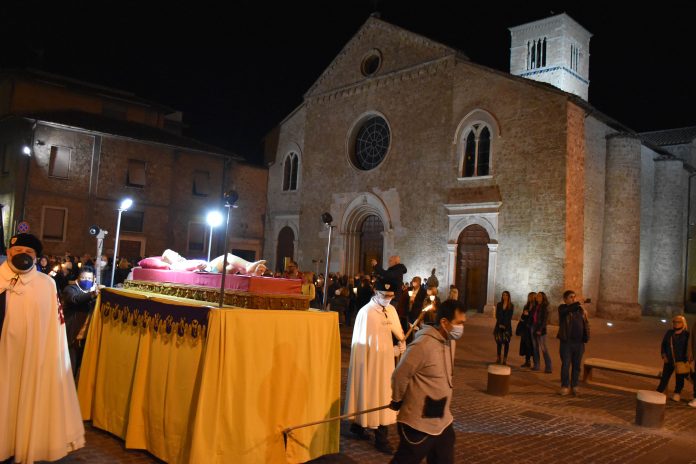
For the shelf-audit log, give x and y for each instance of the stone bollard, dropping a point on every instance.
(650, 408)
(498, 380)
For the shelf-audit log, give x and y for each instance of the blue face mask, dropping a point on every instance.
(85, 285)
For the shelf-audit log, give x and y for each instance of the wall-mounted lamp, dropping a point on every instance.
(26, 150)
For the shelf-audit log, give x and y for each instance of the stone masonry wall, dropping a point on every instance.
(618, 288)
(667, 270)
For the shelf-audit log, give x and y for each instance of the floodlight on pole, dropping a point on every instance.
(213, 219)
(125, 204)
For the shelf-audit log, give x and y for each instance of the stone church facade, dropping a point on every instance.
(497, 181)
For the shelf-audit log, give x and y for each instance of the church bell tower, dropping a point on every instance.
(555, 50)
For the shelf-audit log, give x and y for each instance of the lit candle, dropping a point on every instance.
(432, 297)
(410, 293)
(355, 290)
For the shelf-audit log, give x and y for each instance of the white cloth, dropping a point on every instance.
(372, 363)
(39, 411)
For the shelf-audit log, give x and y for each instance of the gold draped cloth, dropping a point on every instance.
(195, 384)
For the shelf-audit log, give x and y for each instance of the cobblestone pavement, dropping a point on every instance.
(533, 424)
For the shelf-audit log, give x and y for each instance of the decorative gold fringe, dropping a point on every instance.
(232, 297)
(165, 328)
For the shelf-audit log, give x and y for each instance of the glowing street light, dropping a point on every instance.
(125, 204)
(214, 219)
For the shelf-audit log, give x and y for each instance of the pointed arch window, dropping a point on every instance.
(477, 151)
(291, 167)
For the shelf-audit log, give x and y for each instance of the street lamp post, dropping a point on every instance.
(231, 198)
(214, 219)
(125, 204)
(326, 218)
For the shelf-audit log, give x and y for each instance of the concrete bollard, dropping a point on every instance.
(498, 380)
(650, 408)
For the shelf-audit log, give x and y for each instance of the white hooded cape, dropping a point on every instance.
(372, 363)
(39, 411)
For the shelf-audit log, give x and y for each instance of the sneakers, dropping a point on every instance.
(565, 391)
(692, 403)
(676, 397)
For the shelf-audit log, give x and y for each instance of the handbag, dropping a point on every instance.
(680, 367)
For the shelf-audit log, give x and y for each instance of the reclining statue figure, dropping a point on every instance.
(235, 264)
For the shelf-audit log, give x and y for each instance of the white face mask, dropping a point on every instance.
(382, 300)
(456, 332)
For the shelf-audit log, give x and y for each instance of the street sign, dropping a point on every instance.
(23, 227)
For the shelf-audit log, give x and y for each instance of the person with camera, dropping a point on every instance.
(78, 302)
(40, 417)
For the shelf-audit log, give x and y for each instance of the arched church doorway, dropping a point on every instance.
(472, 267)
(285, 249)
(371, 242)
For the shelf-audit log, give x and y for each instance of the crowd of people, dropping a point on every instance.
(401, 362)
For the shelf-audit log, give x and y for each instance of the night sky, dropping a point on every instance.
(236, 69)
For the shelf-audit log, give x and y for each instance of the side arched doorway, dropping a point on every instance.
(285, 249)
(371, 242)
(472, 267)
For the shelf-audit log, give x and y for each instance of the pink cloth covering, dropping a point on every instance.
(252, 284)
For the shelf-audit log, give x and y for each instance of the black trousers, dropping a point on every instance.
(667, 370)
(415, 445)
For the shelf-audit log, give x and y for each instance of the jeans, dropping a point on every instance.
(539, 344)
(415, 445)
(571, 355)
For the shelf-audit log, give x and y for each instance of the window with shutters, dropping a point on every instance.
(201, 183)
(135, 177)
(54, 222)
(59, 162)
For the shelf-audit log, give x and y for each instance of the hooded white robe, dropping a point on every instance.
(372, 364)
(39, 411)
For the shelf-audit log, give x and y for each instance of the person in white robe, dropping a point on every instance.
(372, 363)
(39, 412)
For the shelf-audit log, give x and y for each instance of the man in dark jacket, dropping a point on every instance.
(573, 332)
(78, 303)
(394, 273)
(416, 298)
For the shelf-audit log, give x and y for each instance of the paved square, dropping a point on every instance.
(533, 424)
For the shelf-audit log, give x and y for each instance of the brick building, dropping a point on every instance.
(498, 181)
(71, 151)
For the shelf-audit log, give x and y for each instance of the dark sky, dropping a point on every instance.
(236, 69)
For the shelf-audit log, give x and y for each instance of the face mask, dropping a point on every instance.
(85, 284)
(382, 300)
(23, 262)
(456, 332)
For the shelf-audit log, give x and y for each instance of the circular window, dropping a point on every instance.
(371, 143)
(371, 63)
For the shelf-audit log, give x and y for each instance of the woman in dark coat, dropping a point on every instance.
(524, 331)
(675, 348)
(503, 325)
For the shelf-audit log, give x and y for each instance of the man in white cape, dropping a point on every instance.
(39, 413)
(372, 363)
